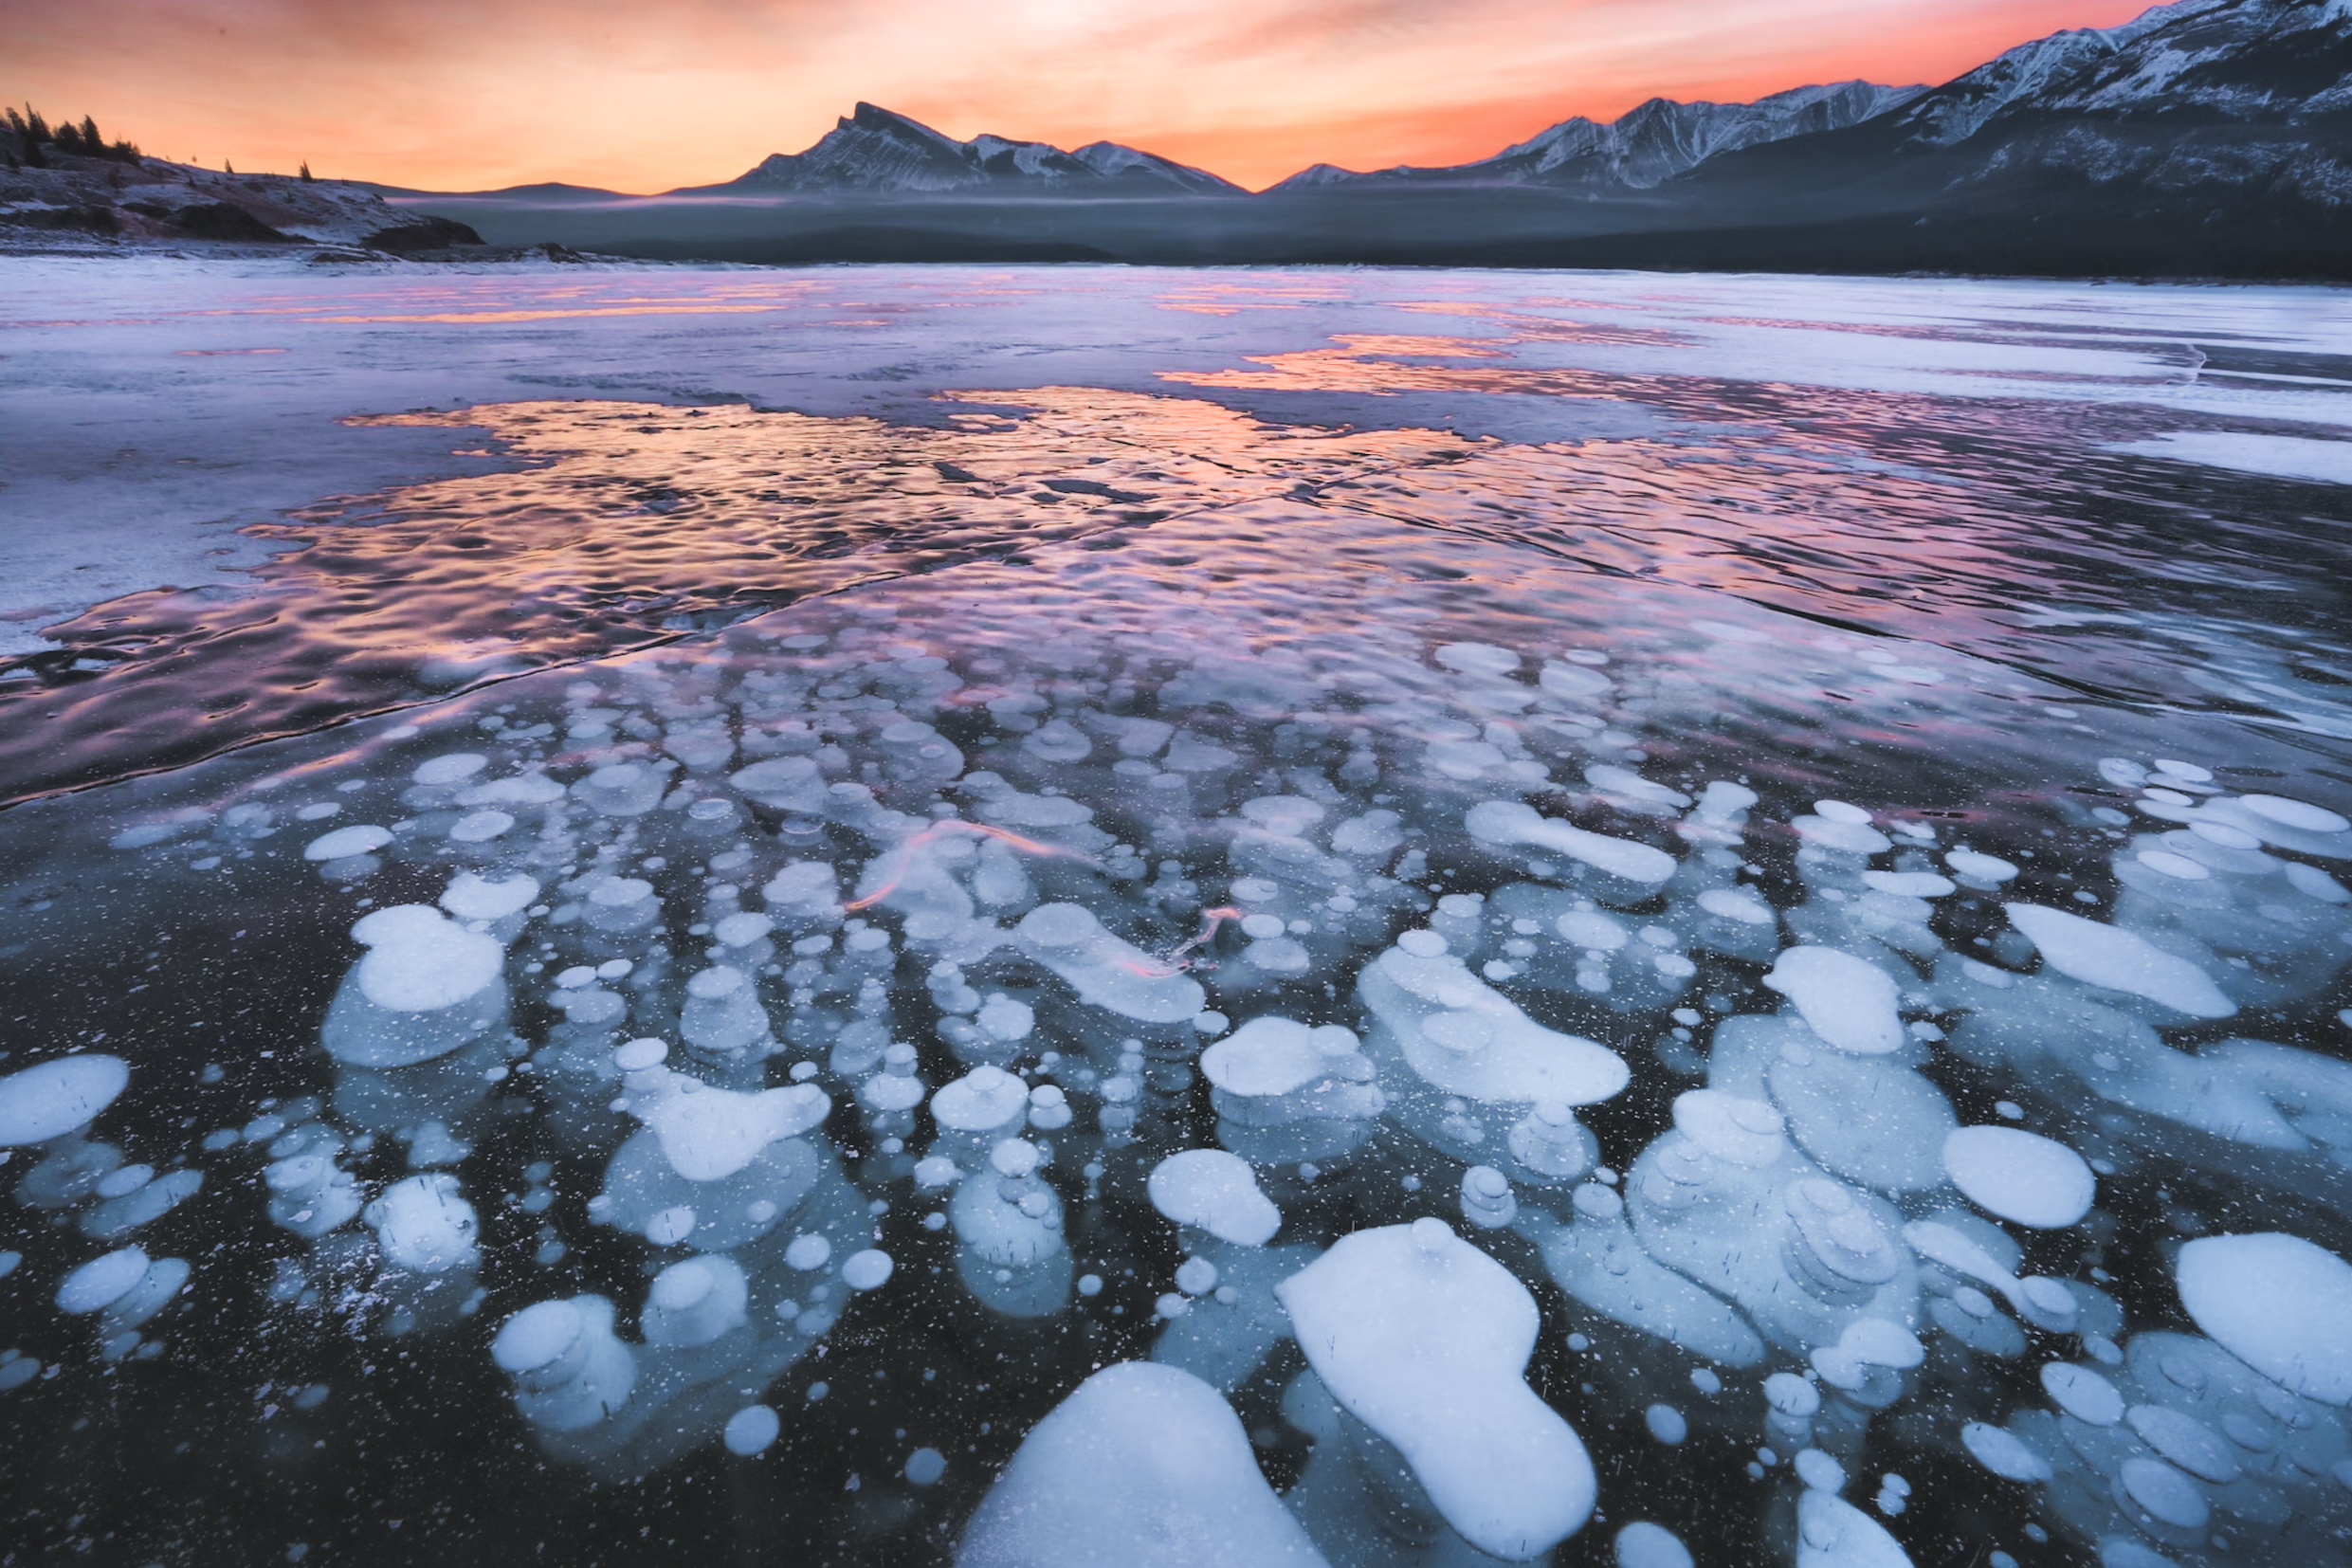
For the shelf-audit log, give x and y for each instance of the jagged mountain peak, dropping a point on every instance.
(1647, 145)
(877, 151)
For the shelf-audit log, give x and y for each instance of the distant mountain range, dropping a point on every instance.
(1646, 148)
(2204, 138)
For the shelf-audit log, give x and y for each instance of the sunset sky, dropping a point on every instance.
(475, 94)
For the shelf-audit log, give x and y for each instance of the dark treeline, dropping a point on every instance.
(35, 137)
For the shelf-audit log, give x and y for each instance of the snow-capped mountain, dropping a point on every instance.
(874, 150)
(1647, 146)
(2198, 111)
(1954, 111)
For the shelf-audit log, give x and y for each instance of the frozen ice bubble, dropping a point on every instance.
(480, 827)
(1977, 866)
(1425, 1338)
(529, 789)
(866, 1270)
(1477, 659)
(103, 1281)
(1105, 971)
(2186, 1441)
(343, 841)
(1731, 903)
(711, 1134)
(751, 1430)
(1791, 1394)
(1998, 1451)
(2123, 960)
(1909, 884)
(1847, 1001)
(1014, 1157)
(473, 896)
(1216, 1192)
(2082, 1393)
(425, 1225)
(2297, 814)
(1572, 681)
(419, 960)
(1637, 867)
(2165, 1493)
(1271, 1056)
(808, 1251)
(451, 769)
(1840, 810)
(1142, 1465)
(536, 1337)
(925, 1465)
(672, 1224)
(1818, 1471)
(1665, 1424)
(2020, 1176)
(1646, 1545)
(56, 1097)
(1832, 1533)
(982, 1101)
(2277, 1302)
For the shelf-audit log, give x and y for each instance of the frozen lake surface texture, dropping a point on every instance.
(1083, 917)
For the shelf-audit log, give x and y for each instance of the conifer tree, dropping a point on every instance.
(92, 142)
(306, 179)
(37, 127)
(35, 131)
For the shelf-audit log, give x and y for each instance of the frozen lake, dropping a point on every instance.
(663, 912)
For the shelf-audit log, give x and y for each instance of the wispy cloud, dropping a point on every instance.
(472, 93)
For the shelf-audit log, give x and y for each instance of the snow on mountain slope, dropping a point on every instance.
(2242, 59)
(1956, 110)
(1647, 146)
(876, 150)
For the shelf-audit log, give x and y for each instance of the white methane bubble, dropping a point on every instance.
(1141, 1464)
(1424, 1339)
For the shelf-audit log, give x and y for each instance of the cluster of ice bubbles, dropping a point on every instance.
(799, 934)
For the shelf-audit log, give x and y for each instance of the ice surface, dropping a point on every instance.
(1239, 786)
(54, 1098)
(1141, 1464)
(2279, 1303)
(2020, 1176)
(1423, 1338)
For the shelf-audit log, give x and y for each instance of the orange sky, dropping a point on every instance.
(474, 94)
